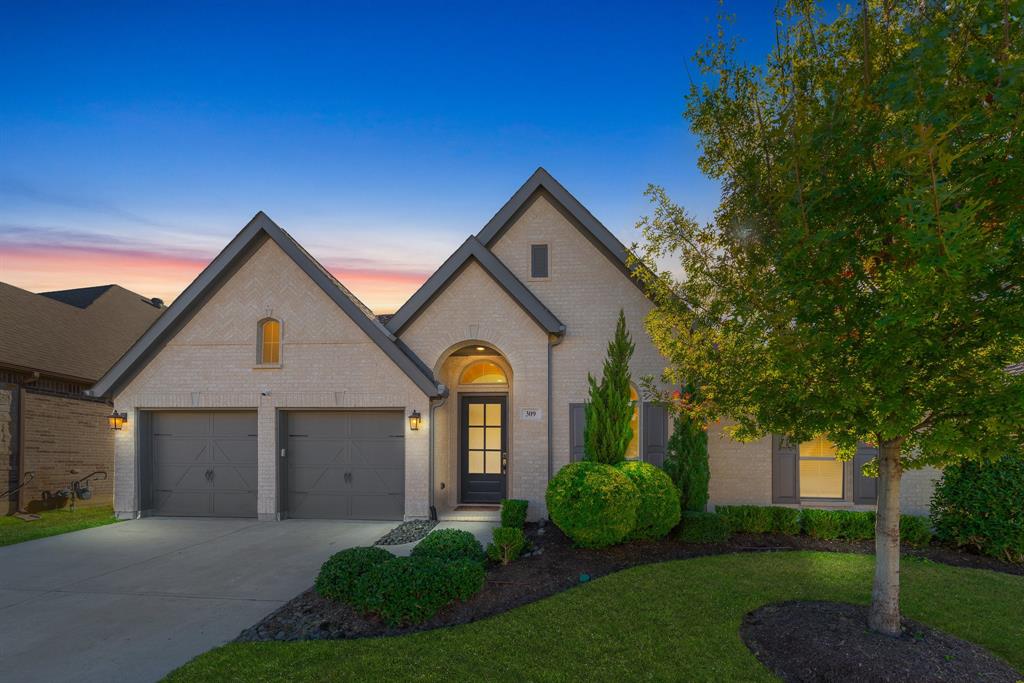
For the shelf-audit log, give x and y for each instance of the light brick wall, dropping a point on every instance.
(327, 362)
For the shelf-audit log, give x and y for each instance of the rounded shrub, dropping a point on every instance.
(978, 505)
(658, 512)
(513, 512)
(450, 545)
(508, 543)
(339, 574)
(703, 527)
(410, 590)
(594, 504)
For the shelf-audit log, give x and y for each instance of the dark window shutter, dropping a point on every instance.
(654, 425)
(865, 489)
(538, 260)
(577, 419)
(785, 470)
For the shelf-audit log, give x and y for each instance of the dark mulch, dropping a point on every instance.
(553, 566)
(829, 641)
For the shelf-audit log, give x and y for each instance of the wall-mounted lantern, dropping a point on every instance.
(414, 420)
(116, 420)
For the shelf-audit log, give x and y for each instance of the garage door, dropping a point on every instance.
(204, 463)
(346, 465)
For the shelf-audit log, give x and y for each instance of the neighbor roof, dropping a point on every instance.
(473, 249)
(227, 261)
(76, 334)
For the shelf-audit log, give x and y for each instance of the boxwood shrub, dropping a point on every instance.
(759, 519)
(831, 525)
(508, 543)
(915, 531)
(410, 590)
(978, 506)
(513, 513)
(658, 512)
(703, 527)
(339, 574)
(450, 545)
(594, 504)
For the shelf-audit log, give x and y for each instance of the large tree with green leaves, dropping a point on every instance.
(863, 276)
(607, 431)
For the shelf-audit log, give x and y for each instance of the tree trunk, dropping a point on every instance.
(885, 594)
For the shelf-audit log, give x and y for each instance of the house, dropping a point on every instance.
(53, 347)
(268, 390)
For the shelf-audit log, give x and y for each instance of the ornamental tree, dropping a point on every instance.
(607, 431)
(863, 276)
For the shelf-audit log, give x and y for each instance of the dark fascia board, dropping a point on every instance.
(234, 254)
(473, 249)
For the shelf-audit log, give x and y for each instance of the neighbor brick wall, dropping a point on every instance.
(8, 445)
(65, 439)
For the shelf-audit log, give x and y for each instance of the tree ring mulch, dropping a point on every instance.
(830, 641)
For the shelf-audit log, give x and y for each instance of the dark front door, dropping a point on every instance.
(483, 450)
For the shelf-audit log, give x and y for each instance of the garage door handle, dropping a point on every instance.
(209, 475)
(348, 477)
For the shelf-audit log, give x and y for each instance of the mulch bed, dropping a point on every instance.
(553, 566)
(829, 641)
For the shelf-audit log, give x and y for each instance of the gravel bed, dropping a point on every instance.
(407, 532)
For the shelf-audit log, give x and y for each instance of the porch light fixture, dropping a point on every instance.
(116, 420)
(481, 348)
(414, 420)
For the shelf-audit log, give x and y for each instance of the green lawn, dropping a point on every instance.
(670, 621)
(53, 522)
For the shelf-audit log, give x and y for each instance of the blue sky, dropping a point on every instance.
(135, 141)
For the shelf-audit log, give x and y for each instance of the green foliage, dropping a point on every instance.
(831, 525)
(758, 519)
(609, 412)
(703, 527)
(513, 513)
(686, 460)
(915, 530)
(450, 545)
(979, 506)
(507, 545)
(594, 504)
(339, 574)
(658, 511)
(410, 590)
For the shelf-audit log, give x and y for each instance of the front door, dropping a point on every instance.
(483, 448)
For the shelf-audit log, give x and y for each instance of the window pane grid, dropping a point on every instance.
(821, 473)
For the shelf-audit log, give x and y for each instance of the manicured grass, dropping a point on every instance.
(670, 621)
(53, 522)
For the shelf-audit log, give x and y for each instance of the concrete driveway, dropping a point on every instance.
(133, 600)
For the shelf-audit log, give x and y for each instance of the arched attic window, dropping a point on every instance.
(483, 372)
(269, 341)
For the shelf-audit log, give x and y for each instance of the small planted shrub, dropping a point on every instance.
(594, 504)
(450, 545)
(831, 525)
(759, 519)
(406, 590)
(463, 578)
(513, 513)
(703, 527)
(978, 506)
(658, 511)
(915, 531)
(339, 574)
(508, 543)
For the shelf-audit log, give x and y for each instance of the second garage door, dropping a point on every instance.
(346, 465)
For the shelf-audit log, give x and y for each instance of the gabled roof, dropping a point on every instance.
(473, 249)
(75, 334)
(259, 229)
(593, 229)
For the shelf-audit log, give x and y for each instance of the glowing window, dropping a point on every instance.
(483, 372)
(821, 475)
(270, 341)
(633, 450)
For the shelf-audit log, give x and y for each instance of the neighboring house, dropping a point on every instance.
(53, 347)
(267, 389)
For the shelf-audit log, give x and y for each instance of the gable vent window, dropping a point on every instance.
(538, 260)
(270, 342)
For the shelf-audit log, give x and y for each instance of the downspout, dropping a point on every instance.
(553, 341)
(434, 405)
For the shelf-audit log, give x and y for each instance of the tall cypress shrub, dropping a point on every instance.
(686, 461)
(607, 432)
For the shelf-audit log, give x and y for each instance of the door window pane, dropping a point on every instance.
(494, 438)
(476, 462)
(493, 462)
(493, 414)
(476, 438)
(476, 414)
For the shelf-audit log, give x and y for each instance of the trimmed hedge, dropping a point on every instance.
(508, 543)
(979, 506)
(915, 531)
(339, 574)
(450, 545)
(513, 513)
(703, 527)
(410, 590)
(757, 519)
(594, 504)
(658, 512)
(831, 525)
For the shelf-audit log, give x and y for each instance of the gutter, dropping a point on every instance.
(434, 405)
(553, 341)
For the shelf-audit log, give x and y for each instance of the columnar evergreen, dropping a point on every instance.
(687, 459)
(607, 432)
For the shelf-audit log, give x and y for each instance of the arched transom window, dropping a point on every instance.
(270, 341)
(483, 372)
